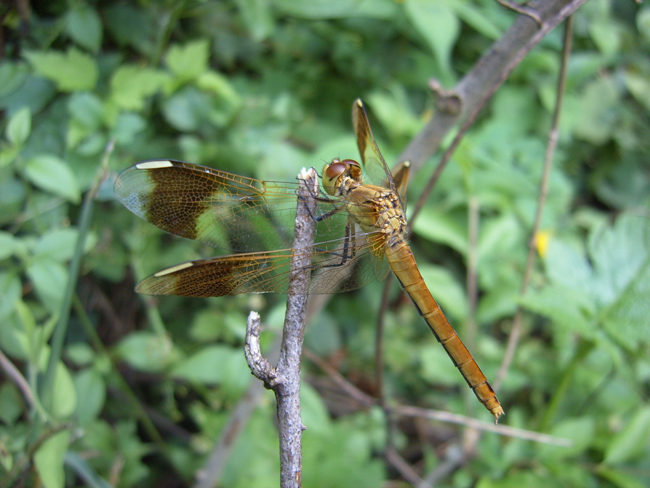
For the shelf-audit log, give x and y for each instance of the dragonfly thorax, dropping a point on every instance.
(391, 220)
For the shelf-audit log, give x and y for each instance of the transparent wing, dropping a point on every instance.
(221, 209)
(374, 165)
(331, 265)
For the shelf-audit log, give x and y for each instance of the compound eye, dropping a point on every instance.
(335, 169)
(351, 162)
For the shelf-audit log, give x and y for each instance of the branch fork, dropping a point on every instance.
(284, 379)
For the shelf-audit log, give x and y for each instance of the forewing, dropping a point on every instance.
(374, 164)
(218, 208)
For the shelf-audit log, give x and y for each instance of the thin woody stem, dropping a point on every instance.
(288, 370)
(284, 379)
(487, 75)
(551, 145)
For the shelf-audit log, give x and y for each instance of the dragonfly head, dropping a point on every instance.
(334, 172)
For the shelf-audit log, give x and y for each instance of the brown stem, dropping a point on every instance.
(505, 430)
(21, 382)
(515, 332)
(474, 91)
(379, 341)
(288, 393)
(209, 475)
(487, 75)
(284, 380)
(471, 330)
(339, 379)
(403, 467)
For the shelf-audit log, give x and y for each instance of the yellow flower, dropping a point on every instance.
(541, 241)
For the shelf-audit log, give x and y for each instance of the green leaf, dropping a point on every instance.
(341, 457)
(620, 477)
(228, 99)
(606, 36)
(12, 76)
(73, 71)
(91, 145)
(314, 412)
(8, 155)
(257, 17)
(128, 127)
(49, 279)
(133, 450)
(639, 87)
(323, 336)
(11, 403)
(17, 336)
(597, 119)
(130, 24)
(6, 459)
(187, 109)
(435, 366)
(438, 25)
(189, 61)
(624, 185)
(318, 9)
(131, 85)
(567, 266)
(85, 27)
(48, 460)
(621, 256)
(497, 303)
(448, 292)
(630, 442)
(498, 235)
(442, 227)
(64, 398)
(58, 244)
(213, 325)
(146, 351)
(8, 244)
(212, 364)
(36, 92)
(10, 292)
(394, 111)
(580, 430)
(628, 320)
(91, 393)
(518, 479)
(568, 307)
(19, 126)
(472, 14)
(80, 354)
(643, 22)
(52, 174)
(87, 109)
(84, 470)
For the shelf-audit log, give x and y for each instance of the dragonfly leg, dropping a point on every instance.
(327, 215)
(349, 250)
(321, 198)
(319, 195)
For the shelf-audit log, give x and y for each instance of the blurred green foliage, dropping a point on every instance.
(261, 88)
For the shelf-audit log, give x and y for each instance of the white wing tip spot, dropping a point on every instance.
(158, 164)
(173, 269)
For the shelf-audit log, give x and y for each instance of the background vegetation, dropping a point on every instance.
(144, 387)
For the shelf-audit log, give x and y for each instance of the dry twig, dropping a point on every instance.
(284, 380)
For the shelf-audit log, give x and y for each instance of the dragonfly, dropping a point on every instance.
(361, 233)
